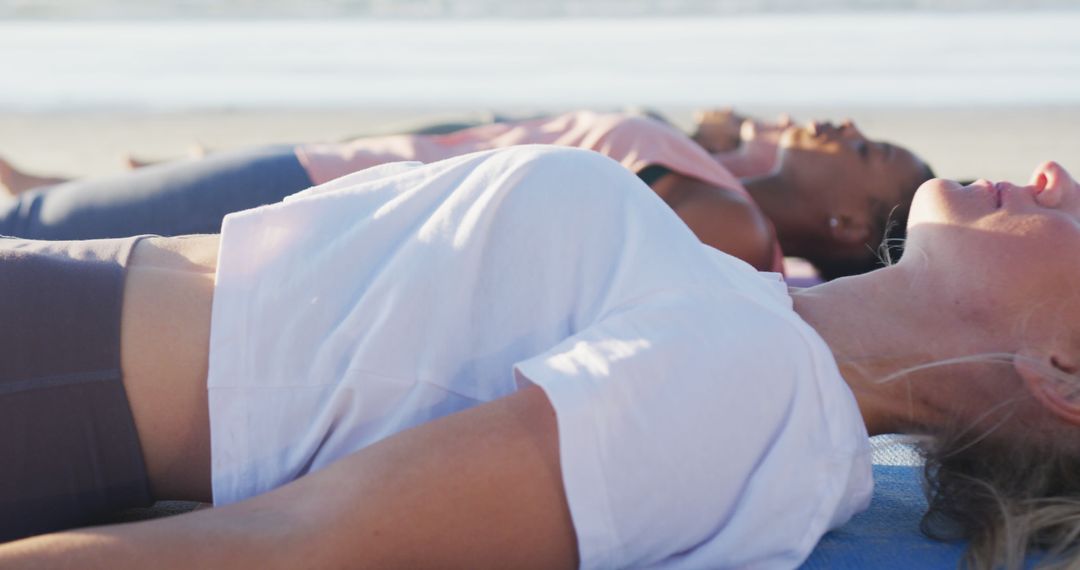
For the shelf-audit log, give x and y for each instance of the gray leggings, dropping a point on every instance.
(69, 453)
(182, 197)
(175, 198)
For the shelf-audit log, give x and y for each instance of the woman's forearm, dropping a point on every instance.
(477, 489)
(203, 539)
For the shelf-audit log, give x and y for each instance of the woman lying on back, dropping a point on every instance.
(829, 198)
(443, 366)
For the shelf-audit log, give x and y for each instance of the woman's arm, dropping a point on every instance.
(720, 218)
(481, 488)
(730, 225)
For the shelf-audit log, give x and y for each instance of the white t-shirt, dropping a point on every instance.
(702, 424)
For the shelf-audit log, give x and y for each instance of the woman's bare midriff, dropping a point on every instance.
(165, 338)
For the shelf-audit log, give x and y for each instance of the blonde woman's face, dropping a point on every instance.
(1004, 256)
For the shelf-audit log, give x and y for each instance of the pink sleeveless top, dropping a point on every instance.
(634, 141)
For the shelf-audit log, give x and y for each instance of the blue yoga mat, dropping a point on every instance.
(886, 536)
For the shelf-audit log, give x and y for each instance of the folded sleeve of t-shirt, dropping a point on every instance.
(665, 417)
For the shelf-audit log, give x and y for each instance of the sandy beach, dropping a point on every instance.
(990, 142)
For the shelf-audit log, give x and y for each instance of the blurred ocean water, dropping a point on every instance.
(123, 9)
(907, 58)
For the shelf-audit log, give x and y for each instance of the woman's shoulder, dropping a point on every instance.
(726, 220)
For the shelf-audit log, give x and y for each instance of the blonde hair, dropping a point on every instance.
(1008, 488)
(1005, 497)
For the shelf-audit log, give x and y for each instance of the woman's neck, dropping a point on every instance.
(778, 200)
(875, 327)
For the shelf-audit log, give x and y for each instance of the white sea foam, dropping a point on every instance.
(887, 59)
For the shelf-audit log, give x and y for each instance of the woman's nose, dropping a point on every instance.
(848, 127)
(1052, 184)
(825, 128)
(1051, 174)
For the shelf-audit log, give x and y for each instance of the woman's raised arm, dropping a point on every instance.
(481, 488)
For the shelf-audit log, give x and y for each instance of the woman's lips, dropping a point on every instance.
(994, 190)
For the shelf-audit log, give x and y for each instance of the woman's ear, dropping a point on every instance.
(849, 229)
(1052, 379)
